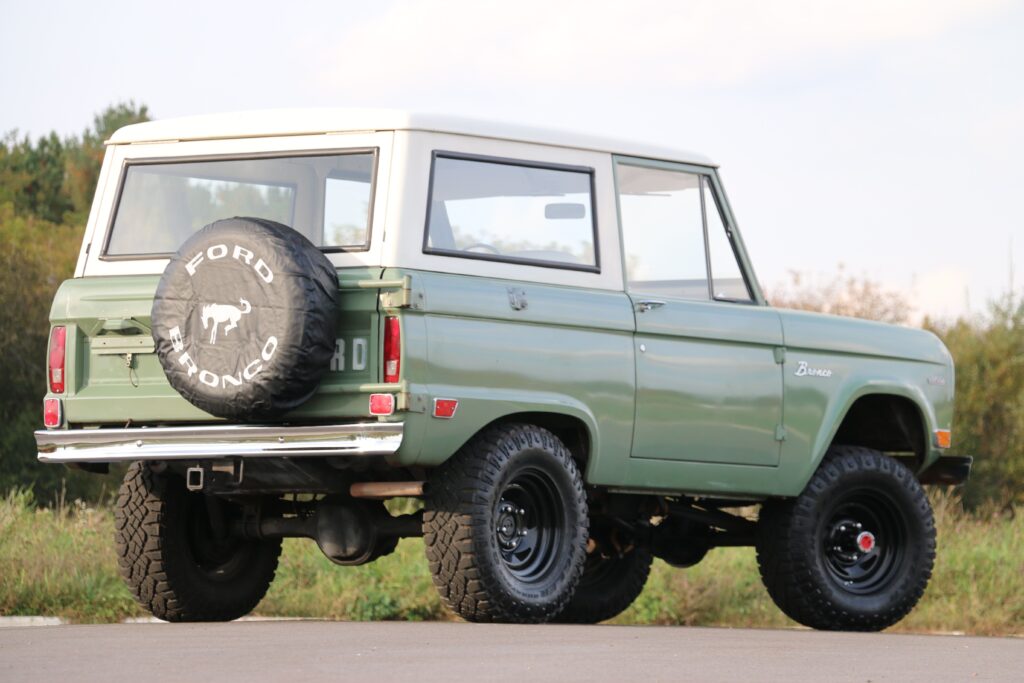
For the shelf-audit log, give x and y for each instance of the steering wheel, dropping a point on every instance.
(482, 245)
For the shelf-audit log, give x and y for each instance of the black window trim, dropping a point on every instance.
(191, 159)
(706, 184)
(497, 258)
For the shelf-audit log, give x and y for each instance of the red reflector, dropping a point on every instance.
(382, 404)
(55, 365)
(392, 349)
(51, 412)
(943, 438)
(445, 407)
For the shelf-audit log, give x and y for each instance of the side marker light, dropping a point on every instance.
(445, 408)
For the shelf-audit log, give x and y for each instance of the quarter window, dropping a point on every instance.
(511, 211)
(726, 277)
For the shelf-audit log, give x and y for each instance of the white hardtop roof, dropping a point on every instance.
(278, 122)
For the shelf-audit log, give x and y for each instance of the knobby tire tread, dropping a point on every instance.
(787, 534)
(459, 510)
(152, 566)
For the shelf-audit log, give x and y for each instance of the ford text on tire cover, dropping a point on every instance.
(557, 345)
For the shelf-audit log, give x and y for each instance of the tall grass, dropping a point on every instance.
(61, 562)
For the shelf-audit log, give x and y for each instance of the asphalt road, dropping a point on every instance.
(427, 652)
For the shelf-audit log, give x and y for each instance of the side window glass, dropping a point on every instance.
(662, 232)
(726, 276)
(506, 211)
(346, 212)
(347, 194)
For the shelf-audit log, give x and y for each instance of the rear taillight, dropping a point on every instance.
(392, 349)
(55, 366)
(382, 404)
(52, 412)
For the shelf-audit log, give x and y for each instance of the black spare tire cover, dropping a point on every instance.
(244, 318)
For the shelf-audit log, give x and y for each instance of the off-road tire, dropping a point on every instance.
(608, 586)
(797, 548)
(474, 572)
(156, 559)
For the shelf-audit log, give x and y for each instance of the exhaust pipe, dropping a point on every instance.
(382, 490)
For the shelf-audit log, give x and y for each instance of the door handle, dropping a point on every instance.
(648, 305)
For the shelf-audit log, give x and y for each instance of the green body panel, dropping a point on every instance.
(709, 386)
(714, 396)
(109, 317)
(569, 351)
(866, 358)
(574, 352)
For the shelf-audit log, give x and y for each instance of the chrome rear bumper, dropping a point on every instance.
(218, 441)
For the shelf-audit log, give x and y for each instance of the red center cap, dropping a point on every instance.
(866, 541)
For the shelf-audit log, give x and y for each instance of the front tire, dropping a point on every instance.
(505, 526)
(855, 550)
(174, 564)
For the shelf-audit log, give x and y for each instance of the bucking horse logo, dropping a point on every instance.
(223, 313)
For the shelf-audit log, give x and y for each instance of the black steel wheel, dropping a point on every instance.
(855, 550)
(176, 561)
(864, 542)
(528, 525)
(505, 526)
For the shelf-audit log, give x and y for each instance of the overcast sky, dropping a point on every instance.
(885, 135)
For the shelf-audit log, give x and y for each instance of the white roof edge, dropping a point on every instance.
(283, 122)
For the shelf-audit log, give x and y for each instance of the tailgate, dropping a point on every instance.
(114, 376)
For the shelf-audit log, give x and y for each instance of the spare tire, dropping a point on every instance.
(244, 318)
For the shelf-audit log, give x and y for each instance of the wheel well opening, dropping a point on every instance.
(572, 431)
(884, 422)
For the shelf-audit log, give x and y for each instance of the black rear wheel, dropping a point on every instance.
(855, 550)
(505, 526)
(177, 562)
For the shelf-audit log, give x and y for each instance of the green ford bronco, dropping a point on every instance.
(556, 343)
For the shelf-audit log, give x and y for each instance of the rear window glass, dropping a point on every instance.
(511, 211)
(326, 198)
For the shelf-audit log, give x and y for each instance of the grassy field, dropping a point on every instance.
(61, 562)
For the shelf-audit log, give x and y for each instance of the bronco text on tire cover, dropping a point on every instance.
(244, 318)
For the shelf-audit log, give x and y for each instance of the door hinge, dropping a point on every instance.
(517, 299)
(780, 354)
(780, 433)
(394, 293)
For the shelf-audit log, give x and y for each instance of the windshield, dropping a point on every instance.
(326, 198)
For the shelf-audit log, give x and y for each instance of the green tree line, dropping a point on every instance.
(46, 188)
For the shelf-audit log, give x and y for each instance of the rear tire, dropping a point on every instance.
(608, 586)
(855, 550)
(172, 562)
(505, 526)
